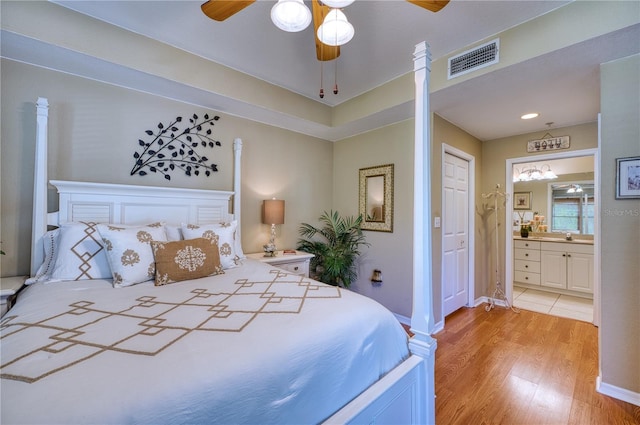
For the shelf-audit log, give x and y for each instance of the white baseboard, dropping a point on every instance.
(487, 300)
(403, 319)
(407, 321)
(617, 392)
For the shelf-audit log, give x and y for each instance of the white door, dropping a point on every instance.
(455, 233)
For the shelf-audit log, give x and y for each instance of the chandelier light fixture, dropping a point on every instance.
(574, 188)
(291, 15)
(534, 173)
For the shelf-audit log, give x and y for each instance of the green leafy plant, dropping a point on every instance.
(336, 247)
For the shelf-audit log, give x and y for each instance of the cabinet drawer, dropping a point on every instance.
(299, 267)
(527, 266)
(527, 254)
(519, 243)
(527, 277)
(567, 247)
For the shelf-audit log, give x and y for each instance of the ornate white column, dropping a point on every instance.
(422, 320)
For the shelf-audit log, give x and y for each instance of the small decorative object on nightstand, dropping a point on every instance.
(296, 262)
(9, 288)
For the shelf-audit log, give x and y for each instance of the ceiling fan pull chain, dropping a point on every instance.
(321, 89)
(335, 84)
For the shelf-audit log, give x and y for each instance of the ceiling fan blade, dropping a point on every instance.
(220, 10)
(432, 5)
(323, 51)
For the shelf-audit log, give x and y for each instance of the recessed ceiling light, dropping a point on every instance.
(529, 116)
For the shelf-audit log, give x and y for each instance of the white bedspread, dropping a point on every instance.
(254, 345)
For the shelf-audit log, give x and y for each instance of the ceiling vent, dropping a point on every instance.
(476, 58)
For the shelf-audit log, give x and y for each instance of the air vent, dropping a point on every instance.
(478, 57)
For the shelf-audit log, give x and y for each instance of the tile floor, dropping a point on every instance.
(554, 304)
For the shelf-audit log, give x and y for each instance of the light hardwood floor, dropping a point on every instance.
(500, 367)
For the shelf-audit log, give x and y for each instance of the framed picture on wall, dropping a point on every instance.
(522, 200)
(628, 178)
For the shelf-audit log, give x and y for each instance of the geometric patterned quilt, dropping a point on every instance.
(253, 345)
(151, 323)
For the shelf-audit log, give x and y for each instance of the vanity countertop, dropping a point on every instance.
(555, 239)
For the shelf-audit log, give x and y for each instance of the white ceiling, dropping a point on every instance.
(563, 86)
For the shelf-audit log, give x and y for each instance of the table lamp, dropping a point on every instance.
(272, 213)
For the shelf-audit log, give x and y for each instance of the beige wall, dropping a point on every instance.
(389, 252)
(93, 132)
(620, 223)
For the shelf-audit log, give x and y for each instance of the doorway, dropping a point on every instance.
(509, 218)
(458, 171)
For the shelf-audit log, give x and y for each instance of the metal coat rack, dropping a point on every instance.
(498, 292)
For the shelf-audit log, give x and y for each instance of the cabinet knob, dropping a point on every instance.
(526, 255)
(568, 255)
(564, 255)
(296, 268)
(526, 266)
(526, 278)
(526, 244)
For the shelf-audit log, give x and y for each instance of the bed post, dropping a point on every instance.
(422, 344)
(39, 217)
(237, 183)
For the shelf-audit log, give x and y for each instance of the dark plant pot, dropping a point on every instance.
(524, 231)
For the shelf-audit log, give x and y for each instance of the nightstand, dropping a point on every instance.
(297, 263)
(9, 288)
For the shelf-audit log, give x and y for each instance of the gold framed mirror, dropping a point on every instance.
(376, 198)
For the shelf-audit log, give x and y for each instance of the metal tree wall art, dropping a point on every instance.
(174, 148)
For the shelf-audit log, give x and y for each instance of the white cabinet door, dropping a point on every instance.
(554, 269)
(580, 272)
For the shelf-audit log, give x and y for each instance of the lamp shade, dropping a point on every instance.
(291, 15)
(273, 212)
(337, 4)
(335, 29)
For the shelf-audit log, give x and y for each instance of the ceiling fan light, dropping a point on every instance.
(291, 15)
(337, 4)
(335, 29)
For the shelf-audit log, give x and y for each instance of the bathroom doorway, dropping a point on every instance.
(570, 167)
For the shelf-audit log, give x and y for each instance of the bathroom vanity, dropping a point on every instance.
(554, 264)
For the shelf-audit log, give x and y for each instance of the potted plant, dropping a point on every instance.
(336, 247)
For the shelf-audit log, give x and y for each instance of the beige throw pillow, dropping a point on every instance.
(187, 259)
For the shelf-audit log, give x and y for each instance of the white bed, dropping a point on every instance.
(251, 345)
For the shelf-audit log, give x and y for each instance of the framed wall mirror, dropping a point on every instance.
(376, 198)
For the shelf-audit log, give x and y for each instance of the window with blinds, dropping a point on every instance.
(572, 212)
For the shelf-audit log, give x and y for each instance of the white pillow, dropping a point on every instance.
(225, 233)
(50, 244)
(174, 233)
(80, 254)
(129, 251)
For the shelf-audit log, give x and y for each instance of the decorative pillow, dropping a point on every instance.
(80, 254)
(50, 244)
(187, 259)
(224, 234)
(174, 233)
(129, 251)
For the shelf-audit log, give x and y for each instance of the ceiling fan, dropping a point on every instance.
(220, 10)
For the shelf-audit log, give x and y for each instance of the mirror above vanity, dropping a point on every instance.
(559, 206)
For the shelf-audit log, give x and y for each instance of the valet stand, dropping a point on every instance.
(498, 293)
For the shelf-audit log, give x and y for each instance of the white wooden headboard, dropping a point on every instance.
(127, 204)
(123, 204)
